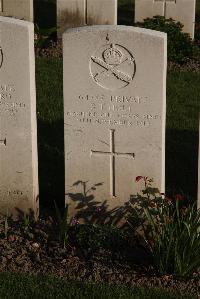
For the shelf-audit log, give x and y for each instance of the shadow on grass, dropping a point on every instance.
(126, 12)
(182, 161)
(51, 163)
(45, 13)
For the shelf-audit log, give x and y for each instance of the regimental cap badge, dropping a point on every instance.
(112, 66)
(112, 55)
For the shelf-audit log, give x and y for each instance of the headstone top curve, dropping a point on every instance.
(16, 22)
(119, 28)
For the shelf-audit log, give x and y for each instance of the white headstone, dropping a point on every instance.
(18, 132)
(147, 9)
(20, 9)
(114, 113)
(70, 13)
(179, 10)
(75, 13)
(101, 12)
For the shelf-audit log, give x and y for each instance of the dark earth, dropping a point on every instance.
(106, 256)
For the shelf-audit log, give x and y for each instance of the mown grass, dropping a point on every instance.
(30, 287)
(183, 105)
(126, 12)
(50, 131)
(183, 91)
(198, 6)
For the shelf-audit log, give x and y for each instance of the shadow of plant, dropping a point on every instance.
(91, 211)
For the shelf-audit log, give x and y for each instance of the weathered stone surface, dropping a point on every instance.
(70, 13)
(75, 13)
(184, 12)
(18, 132)
(179, 10)
(114, 114)
(103, 12)
(148, 9)
(20, 9)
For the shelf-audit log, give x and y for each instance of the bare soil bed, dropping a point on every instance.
(33, 248)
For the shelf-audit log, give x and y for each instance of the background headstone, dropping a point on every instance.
(70, 13)
(20, 9)
(76, 13)
(179, 10)
(18, 131)
(147, 9)
(114, 114)
(101, 12)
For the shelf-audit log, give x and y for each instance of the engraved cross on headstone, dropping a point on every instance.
(1, 5)
(165, 5)
(86, 15)
(113, 154)
(3, 141)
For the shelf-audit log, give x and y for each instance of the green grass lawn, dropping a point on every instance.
(183, 105)
(198, 6)
(183, 90)
(50, 130)
(21, 286)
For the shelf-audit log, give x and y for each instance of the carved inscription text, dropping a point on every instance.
(9, 103)
(114, 111)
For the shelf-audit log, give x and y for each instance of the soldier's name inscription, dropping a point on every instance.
(113, 110)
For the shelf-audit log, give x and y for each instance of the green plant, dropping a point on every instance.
(94, 237)
(180, 45)
(43, 36)
(171, 232)
(6, 226)
(26, 221)
(138, 203)
(62, 224)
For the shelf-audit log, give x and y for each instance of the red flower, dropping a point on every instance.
(178, 197)
(138, 178)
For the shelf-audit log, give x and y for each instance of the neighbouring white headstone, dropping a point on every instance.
(20, 9)
(70, 13)
(75, 13)
(101, 12)
(179, 10)
(18, 132)
(114, 114)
